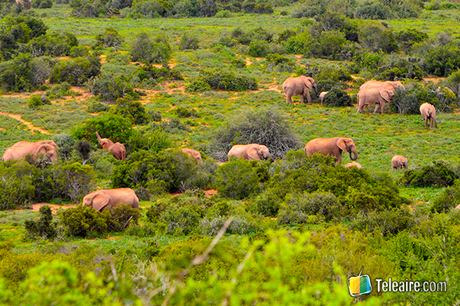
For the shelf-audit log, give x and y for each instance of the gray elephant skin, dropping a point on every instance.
(428, 112)
(332, 147)
(105, 199)
(378, 93)
(301, 85)
(22, 148)
(118, 149)
(399, 162)
(251, 151)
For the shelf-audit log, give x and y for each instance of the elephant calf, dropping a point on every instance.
(250, 152)
(332, 147)
(353, 164)
(103, 199)
(322, 96)
(428, 113)
(399, 162)
(193, 154)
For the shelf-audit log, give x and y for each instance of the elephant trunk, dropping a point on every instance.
(355, 155)
(98, 137)
(316, 90)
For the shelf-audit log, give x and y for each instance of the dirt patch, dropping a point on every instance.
(248, 61)
(210, 192)
(54, 207)
(27, 123)
(434, 80)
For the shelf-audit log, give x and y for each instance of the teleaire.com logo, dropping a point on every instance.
(361, 284)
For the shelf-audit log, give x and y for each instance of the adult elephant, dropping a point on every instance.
(23, 148)
(118, 150)
(332, 147)
(378, 93)
(104, 199)
(250, 152)
(428, 113)
(299, 86)
(399, 162)
(193, 154)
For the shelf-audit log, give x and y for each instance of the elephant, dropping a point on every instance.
(399, 162)
(322, 95)
(353, 164)
(299, 86)
(193, 154)
(428, 113)
(332, 147)
(22, 148)
(250, 152)
(102, 199)
(118, 150)
(378, 93)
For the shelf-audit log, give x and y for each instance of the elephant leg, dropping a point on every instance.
(382, 107)
(426, 121)
(288, 99)
(307, 94)
(435, 123)
(376, 108)
(302, 99)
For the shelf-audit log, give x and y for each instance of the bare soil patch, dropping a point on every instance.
(27, 123)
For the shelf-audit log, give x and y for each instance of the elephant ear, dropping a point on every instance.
(387, 95)
(253, 153)
(342, 144)
(100, 201)
(308, 82)
(43, 149)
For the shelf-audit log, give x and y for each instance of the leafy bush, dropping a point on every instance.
(188, 42)
(43, 227)
(59, 91)
(42, 4)
(133, 111)
(122, 216)
(147, 50)
(263, 126)
(386, 223)
(110, 38)
(76, 71)
(16, 184)
(258, 48)
(118, 58)
(298, 208)
(114, 127)
(84, 221)
(439, 174)
(88, 8)
(238, 179)
(443, 60)
(97, 107)
(37, 101)
(222, 80)
(53, 44)
(18, 74)
(448, 200)
(377, 38)
(409, 101)
(110, 88)
(337, 97)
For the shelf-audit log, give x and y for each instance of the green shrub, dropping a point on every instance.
(133, 111)
(147, 50)
(386, 223)
(258, 48)
(63, 139)
(183, 112)
(16, 184)
(263, 126)
(97, 107)
(53, 44)
(114, 127)
(448, 200)
(59, 91)
(18, 74)
(76, 71)
(122, 216)
(118, 58)
(110, 38)
(439, 174)
(337, 97)
(409, 101)
(38, 100)
(88, 8)
(377, 37)
(237, 179)
(110, 88)
(188, 42)
(84, 221)
(43, 227)
(222, 80)
(443, 60)
(42, 4)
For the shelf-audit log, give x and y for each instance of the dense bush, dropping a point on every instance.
(165, 171)
(114, 127)
(53, 44)
(133, 111)
(439, 174)
(84, 221)
(378, 38)
(110, 88)
(263, 126)
(298, 208)
(147, 50)
(43, 227)
(407, 38)
(222, 80)
(18, 74)
(443, 60)
(76, 71)
(409, 101)
(59, 91)
(16, 184)
(110, 38)
(89, 8)
(42, 4)
(337, 97)
(37, 101)
(188, 42)
(237, 179)
(386, 223)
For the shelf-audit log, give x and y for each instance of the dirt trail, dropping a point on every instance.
(29, 125)
(54, 207)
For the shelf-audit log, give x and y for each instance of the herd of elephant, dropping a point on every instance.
(370, 93)
(373, 92)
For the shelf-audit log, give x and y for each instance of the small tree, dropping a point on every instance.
(147, 50)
